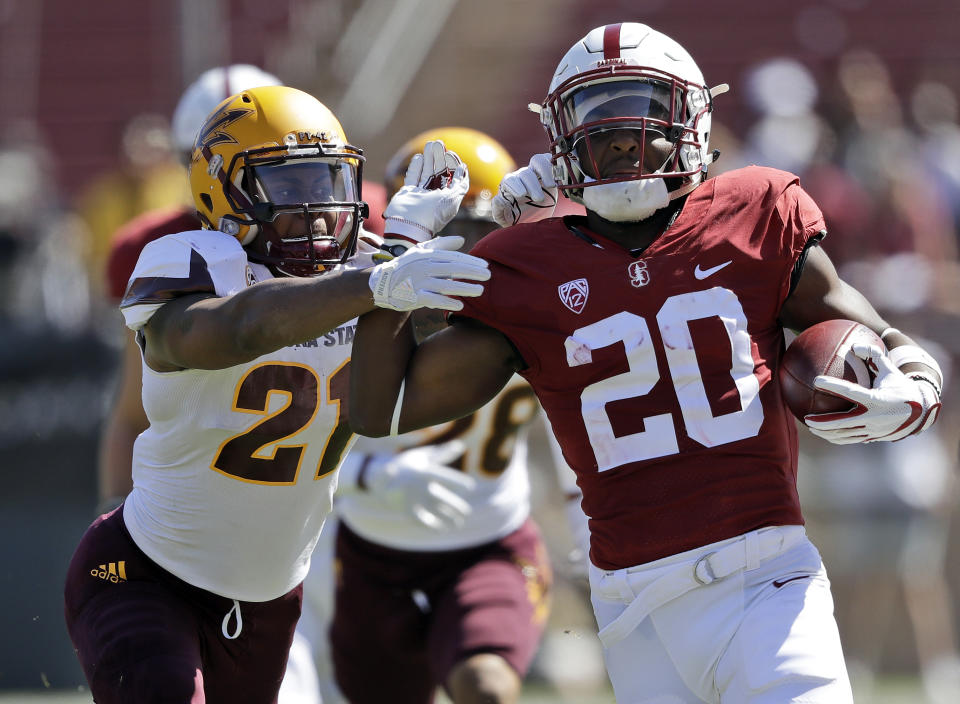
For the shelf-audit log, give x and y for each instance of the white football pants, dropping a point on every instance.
(743, 621)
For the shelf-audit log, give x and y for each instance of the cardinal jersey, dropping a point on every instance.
(235, 475)
(657, 371)
(495, 454)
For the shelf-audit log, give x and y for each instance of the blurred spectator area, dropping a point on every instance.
(76, 77)
(390, 68)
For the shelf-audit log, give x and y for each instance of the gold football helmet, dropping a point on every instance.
(486, 159)
(272, 167)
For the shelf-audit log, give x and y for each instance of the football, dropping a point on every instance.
(823, 349)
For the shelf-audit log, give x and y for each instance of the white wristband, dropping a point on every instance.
(408, 230)
(907, 354)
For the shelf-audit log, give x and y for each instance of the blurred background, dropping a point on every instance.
(858, 97)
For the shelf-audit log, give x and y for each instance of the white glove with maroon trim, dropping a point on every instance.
(423, 277)
(895, 407)
(527, 194)
(433, 188)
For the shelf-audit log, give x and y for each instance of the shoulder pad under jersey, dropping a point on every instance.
(198, 261)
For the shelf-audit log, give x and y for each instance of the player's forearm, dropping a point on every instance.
(215, 333)
(284, 312)
(382, 349)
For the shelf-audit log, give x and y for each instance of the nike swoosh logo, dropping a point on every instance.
(779, 583)
(701, 274)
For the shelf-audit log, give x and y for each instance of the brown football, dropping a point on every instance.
(823, 349)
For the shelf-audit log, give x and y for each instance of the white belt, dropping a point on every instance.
(745, 552)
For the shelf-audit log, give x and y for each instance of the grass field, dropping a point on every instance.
(887, 691)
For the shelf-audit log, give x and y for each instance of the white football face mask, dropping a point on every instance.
(627, 201)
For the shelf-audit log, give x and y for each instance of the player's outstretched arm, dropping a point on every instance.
(210, 332)
(450, 374)
(201, 331)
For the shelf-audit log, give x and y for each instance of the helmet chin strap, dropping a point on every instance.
(684, 190)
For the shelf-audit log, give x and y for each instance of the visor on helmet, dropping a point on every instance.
(619, 100)
(323, 196)
(653, 109)
(293, 182)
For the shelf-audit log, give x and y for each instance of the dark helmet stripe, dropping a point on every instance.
(611, 41)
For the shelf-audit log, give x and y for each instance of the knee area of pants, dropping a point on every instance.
(484, 679)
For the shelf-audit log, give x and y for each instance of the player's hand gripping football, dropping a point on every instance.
(895, 407)
(527, 194)
(433, 188)
(420, 480)
(423, 277)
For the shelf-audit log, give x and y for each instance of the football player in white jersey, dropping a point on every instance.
(652, 332)
(190, 591)
(442, 577)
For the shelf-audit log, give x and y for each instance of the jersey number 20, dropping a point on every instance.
(659, 438)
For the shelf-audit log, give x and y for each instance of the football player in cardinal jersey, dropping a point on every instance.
(442, 577)
(190, 590)
(651, 330)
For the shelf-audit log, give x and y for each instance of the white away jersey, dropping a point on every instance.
(235, 475)
(495, 454)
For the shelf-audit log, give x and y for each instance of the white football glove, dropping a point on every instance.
(527, 194)
(420, 480)
(423, 277)
(433, 188)
(896, 406)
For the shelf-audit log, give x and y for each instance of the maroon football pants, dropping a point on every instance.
(404, 619)
(144, 636)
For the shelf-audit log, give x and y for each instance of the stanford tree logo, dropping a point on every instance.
(639, 276)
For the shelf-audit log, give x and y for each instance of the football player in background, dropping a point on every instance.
(442, 576)
(190, 590)
(651, 331)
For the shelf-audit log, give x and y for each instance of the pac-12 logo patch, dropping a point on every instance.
(574, 294)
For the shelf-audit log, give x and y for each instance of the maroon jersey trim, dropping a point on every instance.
(160, 289)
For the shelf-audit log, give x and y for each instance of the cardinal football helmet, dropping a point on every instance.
(627, 76)
(486, 160)
(212, 87)
(273, 151)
